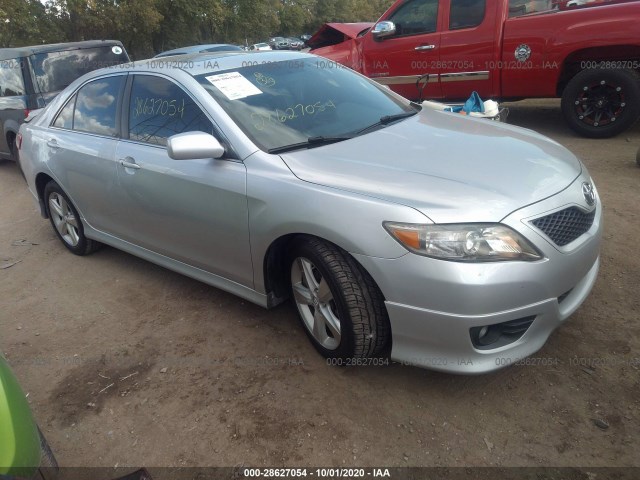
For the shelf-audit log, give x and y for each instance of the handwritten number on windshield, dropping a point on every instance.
(291, 113)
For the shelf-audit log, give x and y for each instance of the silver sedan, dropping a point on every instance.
(446, 242)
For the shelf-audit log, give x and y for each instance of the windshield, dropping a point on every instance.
(54, 71)
(286, 103)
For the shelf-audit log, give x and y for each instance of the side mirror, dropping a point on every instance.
(383, 30)
(194, 145)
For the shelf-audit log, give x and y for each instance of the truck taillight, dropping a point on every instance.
(19, 141)
(26, 112)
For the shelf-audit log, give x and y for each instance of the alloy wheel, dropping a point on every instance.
(315, 303)
(600, 104)
(64, 219)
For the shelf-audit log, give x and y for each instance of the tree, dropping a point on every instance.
(25, 22)
(151, 26)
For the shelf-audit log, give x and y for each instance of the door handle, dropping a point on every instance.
(129, 163)
(52, 143)
(425, 47)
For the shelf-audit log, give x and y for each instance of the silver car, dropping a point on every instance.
(451, 243)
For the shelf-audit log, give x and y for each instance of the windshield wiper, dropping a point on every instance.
(310, 143)
(386, 120)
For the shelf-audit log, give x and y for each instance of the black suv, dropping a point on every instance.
(30, 77)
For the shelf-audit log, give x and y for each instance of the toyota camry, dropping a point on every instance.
(398, 232)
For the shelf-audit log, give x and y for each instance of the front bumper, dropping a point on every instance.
(434, 304)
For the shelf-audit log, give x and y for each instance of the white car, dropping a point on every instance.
(259, 47)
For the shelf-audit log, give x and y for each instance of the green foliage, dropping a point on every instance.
(25, 22)
(150, 26)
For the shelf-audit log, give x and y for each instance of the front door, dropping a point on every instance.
(193, 211)
(400, 60)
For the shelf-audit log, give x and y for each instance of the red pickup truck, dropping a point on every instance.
(589, 54)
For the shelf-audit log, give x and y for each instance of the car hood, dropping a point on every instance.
(334, 33)
(450, 168)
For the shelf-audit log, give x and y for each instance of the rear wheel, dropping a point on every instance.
(66, 221)
(601, 103)
(339, 304)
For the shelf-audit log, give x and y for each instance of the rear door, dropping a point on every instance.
(399, 61)
(81, 144)
(193, 211)
(469, 52)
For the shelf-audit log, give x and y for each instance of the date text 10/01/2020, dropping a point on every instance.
(317, 472)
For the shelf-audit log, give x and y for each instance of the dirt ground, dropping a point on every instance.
(129, 364)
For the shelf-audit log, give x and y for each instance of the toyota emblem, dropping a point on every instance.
(589, 193)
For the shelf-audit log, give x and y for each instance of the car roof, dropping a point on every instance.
(209, 62)
(195, 49)
(11, 53)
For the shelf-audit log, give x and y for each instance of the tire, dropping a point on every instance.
(601, 103)
(66, 222)
(11, 143)
(343, 313)
(49, 468)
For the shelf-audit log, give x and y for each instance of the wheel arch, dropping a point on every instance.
(572, 64)
(41, 182)
(275, 270)
(10, 131)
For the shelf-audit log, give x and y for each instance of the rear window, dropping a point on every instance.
(224, 48)
(466, 13)
(525, 7)
(54, 71)
(11, 83)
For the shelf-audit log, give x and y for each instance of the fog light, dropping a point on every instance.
(483, 332)
(488, 337)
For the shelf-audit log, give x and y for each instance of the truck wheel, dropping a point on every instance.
(602, 103)
(339, 304)
(11, 142)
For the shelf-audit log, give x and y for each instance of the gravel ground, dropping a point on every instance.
(129, 364)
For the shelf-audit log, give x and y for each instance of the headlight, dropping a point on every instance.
(488, 242)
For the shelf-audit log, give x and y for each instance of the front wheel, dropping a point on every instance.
(339, 304)
(66, 221)
(602, 103)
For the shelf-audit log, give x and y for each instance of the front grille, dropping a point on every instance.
(565, 226)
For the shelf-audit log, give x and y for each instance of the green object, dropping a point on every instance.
(19, 437)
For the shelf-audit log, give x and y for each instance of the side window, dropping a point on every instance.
(524, 7)
(97, 105)
(466, 13)
(11, 83)
(159, 109)
(416, 16)
(65, 117)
